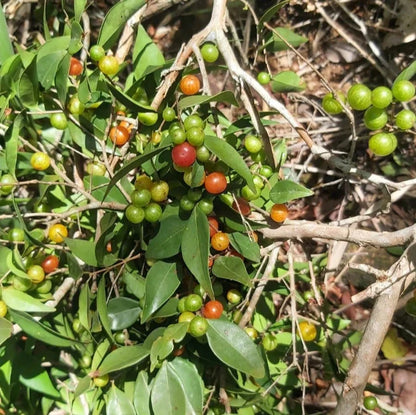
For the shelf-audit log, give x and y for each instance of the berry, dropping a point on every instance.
(159, 191)
(215, 183)
(220, 241)
(195, 136)
(375, 118)
(212, 309)
(7, 184)
(331, 105)
(169, 114)
(119, 135)
(97, 52)
(193, 121)
(198, 326)
(134, 214)
(403, 90)
(279, 212)
(3, 308)
(57, 233)
(253, 144)
(359, 97)
(75, 106)
(75, 67)
(263, 78)
(101, 381)
(405, 119)
(193, 302)
(189, 85)
(382, 144)
(152, 212)
(59, 121)
(381, 97)
(40, 161)
(36, 274)
(148, 118)
(209, 52)
(50, 263)
(108, 65)
(307, 331)
(370, 402)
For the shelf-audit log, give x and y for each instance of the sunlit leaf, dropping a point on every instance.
(285, 190)
(122, 357)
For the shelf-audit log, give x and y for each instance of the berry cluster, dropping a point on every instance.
(380, 111)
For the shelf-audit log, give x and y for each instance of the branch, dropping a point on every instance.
(374, 333)
(304, 229)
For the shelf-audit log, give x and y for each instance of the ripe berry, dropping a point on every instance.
(119, 135)
(75, 67)
(183, 154)
(57, 233)
(212, 309)
(215, 183)
(279, 212)
(50, 263)
(189, 85)
(220, 241)
(307, 331)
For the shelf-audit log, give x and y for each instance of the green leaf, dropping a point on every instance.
(170, 308)
(28, 368)
(40, 331)
(176, 332)
(100, 353)
(285, 190)
(270, 13)
(61, 79)
(122, 357)
(167, 241)
(195, 248)
(123, 312)
(275, 44)
(12, 144)
(191, 101)
(232, 345)
(77, 33)
(115, 21)
(129, 102)
(142, 390)
(5, 330)
(118, 403)
(230, 156)
(407, 73)
(84, 250)
(102, 307)
(131, 165)
(84, 307)
(146, 55)
(287, 81)
(231, 268)
(161, 348)
(177, 389)
(161, 282)
(6, 49)
(4, 254)
(49, 57)
(134, 283)
(245, 246)
(29, 86)
(20, 301)
(99, 188)
(79, 7)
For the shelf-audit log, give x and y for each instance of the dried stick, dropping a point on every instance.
(374, 333)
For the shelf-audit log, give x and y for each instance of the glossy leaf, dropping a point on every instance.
(407, 73)
(232, 345)
(161, 348)
(115, 20)
(245, 246)
(5, 330)
(100, 353)
(118, 403)
(84, 307)
(123, 312)
(167, 241)
(229, 155)
(142, 390)
(122, 357)
(177, 389)
(176, 332)
(82, 249)
(162, 281)
(134, 283)
(32, 375)
(102, 307)
(6, 49)
(99, 189)
(128, 101)
(29, 86)
(12, 143)
(170, 308)
(79, 7)
(195, 248)
(270, 13)
(231, 268)
(146, 54)
(274, 43)
(191, 101)
(287, 81)
(285, 190)
(40, 331)
(20, 301)
(48, 59)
